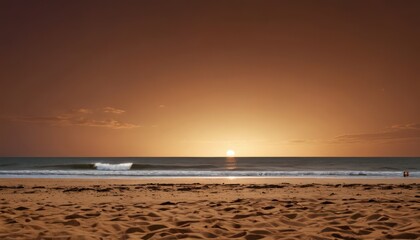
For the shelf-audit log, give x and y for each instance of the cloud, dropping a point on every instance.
(78, 118)
(407, 126)
(400, 132)
(298, 141)
(83, 110)
(107, 123)
(396, 132)
(237, 141)
(113, 110)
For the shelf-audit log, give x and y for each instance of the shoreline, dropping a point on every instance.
(211, 180)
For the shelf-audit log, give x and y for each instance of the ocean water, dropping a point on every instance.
(142, 167)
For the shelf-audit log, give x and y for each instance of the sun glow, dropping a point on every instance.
(230, 153)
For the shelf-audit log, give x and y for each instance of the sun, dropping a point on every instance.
(230, 153)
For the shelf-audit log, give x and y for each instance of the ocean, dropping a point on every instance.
(143, 167)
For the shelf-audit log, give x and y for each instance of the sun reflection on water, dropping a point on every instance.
(230, 163)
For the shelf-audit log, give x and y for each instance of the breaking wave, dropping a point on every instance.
(125, 166)
(113, 167)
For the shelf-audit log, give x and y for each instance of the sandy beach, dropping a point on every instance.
(210, 208)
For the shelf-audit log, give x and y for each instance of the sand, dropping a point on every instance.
(209, 208)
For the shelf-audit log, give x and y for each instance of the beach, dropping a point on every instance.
(203, 208)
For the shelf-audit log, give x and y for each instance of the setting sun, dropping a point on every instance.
(230, 153)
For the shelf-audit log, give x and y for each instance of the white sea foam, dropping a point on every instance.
(113, 167)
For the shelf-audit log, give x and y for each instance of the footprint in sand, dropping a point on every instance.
(184, 223)
(291, 215)
(364, 232)
(329, 229)
(238, 235)
(260, 232)
(339, 236)
(152, 214)
(209, 235)
(219, 227)
(10, 221)
(268, 207)
(374, 217)
(229, 209)
(167, 203)
(388, 224)
(94, 214)
(356, 216)
(21, 208)
(180, 230)
(156, 227)
(148, 236)
(253, 237)
(74, 216)
(236, 225)
(72, 223)
(345, 227)
(404, 236)
(134, 230)
(240, 216)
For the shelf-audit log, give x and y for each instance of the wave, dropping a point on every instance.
(113, 167)
(124, 166)
(68, 166)
(113, 171)
(171, 167)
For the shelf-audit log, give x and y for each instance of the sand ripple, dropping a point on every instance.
(212, 211)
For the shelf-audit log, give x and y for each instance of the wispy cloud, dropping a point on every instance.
(78, 118)
(299, 141)
(113, 110)
(107, 123)
(83, 110)
(245, 141)
(400, 132)
(407, 126)
(396, 132)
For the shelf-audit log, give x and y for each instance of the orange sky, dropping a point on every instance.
(195, 78)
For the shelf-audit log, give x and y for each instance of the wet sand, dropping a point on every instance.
(222, 208)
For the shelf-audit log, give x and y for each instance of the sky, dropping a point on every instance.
(196, 78)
